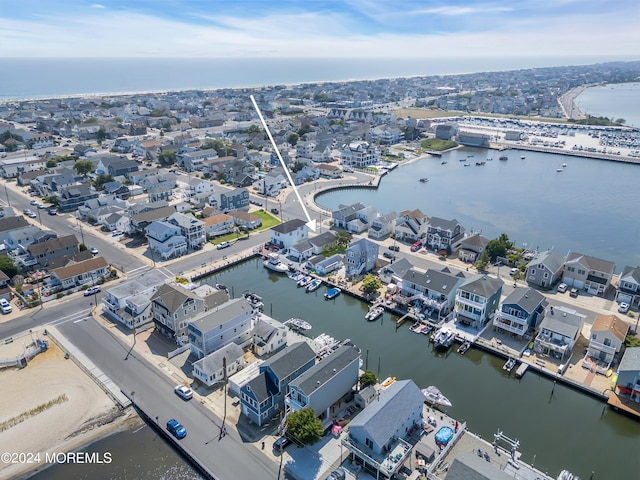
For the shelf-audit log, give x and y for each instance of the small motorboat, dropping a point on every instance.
(314, 285)
(304, 281)
(388, 381)
(504, 158)
(510, 364)
(443, 162)
(298, 324)
(424, 179)
(464, 347)
(435, 396)
(374, 313)
(332, 293)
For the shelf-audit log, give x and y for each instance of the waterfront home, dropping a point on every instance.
(197, 186)
(301, 250)
(477, 300)
(173, 306)
(558, 332)
(629, 286)
(433, 290)
(19, 239)
(468, 465)
(392, 273)
(382, 226)
(588, 273)
(263, 397)
(520, 312)
(360, 257)
(545, 269)
(446, 131)
(359, 154)
(268, 335)
(289, 233)
(191, 228)
(365, 396)
(324, 266)
(242, 219)
(130, 302)
(236, 199)
(607, 337)
(471, 247)
(219, 224)
(43, 252)
(210, 370)
(377, 434)
(10, 223)
(345, 214)
(329, 171)
(386, 135)
(628, 382)
(87, 272)
(321, 386)
(166, 240)
(227, 323)
(444, 234)
(323, 241)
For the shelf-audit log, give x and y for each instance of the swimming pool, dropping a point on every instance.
(444, 435)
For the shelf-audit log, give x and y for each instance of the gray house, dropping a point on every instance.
(588, 273)
(629, 286)
(521, 311)
(210, 370)
(477, 300)
(546, 269)
(325, 383)
(433, 290)
(360, 257)
(173, 306)
(443, 234)
(629, 374)
(345, 214)
(559, 332)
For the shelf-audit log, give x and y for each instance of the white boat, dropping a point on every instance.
(254, 300)
(314, 285)
(374, 313)
(274, 263)
(332, 293)
(296, 276)
(558, 169)
(564, 165)
(304, 281)
(510, 364)
(435, 397)
(298, 323)
(444, 338)
(464, 347)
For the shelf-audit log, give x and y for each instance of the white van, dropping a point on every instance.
(5, 306)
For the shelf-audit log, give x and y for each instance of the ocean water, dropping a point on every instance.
(614, 101)
(56, 77)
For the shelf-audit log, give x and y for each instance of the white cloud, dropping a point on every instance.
(97, 5)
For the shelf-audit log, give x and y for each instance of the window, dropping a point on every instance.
(368, 442)
(546, 275)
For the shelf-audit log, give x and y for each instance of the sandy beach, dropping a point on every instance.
(79, 411)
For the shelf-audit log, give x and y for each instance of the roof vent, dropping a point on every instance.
(318, 382)
(334, 370)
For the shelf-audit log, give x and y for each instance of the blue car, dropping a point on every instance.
(176, 429)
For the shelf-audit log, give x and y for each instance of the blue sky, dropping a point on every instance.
(319, 28)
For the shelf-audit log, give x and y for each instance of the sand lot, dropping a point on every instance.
(86, 414)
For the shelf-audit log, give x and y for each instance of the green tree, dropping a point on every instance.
(100, 180)
(8, 267)
(218, 145)
(82, 247)
(482, 262)
(167, 158)
(253, 129)
(82, 167)
(370, 283)
(166, 125)
(343, 239)
(368, 378)
(498, 247)
(293, 138)
(306, 128)
(304, 426)
(101, 135)
(51, 163)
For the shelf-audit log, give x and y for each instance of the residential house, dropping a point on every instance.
(117, 189)
(383, 426)
(325, 383)
(289, 233)
(628, 382)
(359, 155)
(210, 370)
(558, 333)
(444, 234)
(197, 186)
(345, 214)
(263, 397)
(245, 220)
(304, 149)
(173, 306)
(140, 221)
(329, 171)
(362, 220)
(228, 323)
(477, 300)
(324, 266)
(469, 466)
(386, 135)
(20, 239)
(92, 210)
(236, 199)
(116, 166)
(322, 241)
(5, 290)
(545, 269)
(433, 290)
(322, 153)
(190, 227)
(219, 224)
(42, 253)
(393, 272)
(361, 257)
(588, 273)
(166, 240)
(194, 161)
(629, 286)
(411, 226)
(382, 226)
(70, 198)
(301, 250)
(87, 272)
(268, 335)
(117, 221)
(520, 312)
(130, 302)
(471, 247)
(608, 333)
(10, 223)
(269, 185)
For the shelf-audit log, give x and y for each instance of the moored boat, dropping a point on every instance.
(424, 179)
(388, 381)
(510, 364)
(503, 158)
(274, 264)
(374, 313)
(304, 281)
(298, 324)
(314, 285)
(254, 300)
(464, 347)
(435, 396)
(332, 293)
(444, 338)
(296, 276)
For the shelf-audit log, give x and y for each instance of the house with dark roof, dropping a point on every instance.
(588, 273)
(268, 335)
(521, 311)
(325, 383)
(166, 240)
(377, 435)
(345, 214)
(382, 226)
(393, 272)
(360, 257)
(140, 221)
(477, 300)
(263, 397)
(42, 253)
(558, 332)
(236, 199)
(443, 234)
(324, 266)
(173, 306)
(433, 291)
(301, 250)
(289, 233)
(545, 269)
(87, 272)
(471, 247)
(322, 241)
(210, 370)
(72, 196)
(628, 383)
(10, 223)
(629, 286)
(607, 338)
(468, 466)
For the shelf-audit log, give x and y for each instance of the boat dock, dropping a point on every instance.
(521, 370)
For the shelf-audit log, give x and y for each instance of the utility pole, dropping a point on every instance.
(224, 373)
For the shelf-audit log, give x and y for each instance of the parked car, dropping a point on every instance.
(394, 248)
(5, 306)
(337, 474)
(32, 215)
(176, 429)
(92, 291)
(389, 255)
(275, 211)
(416, 246)
(183, 392)
(573, 292)
(117, 233)
(222, 245)
(53, 211)
(26, 211)
(33, 202)
(280, 444)
(94, 250)
(623, 307)
(40, 205)
(513, 271)
(562, 287)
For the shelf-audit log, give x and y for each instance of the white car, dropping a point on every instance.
(562, 287)
(5, 306)
(513, 271)
(92, 291)
(183, 392)
(623, 308)
(222, 245)
(93, 250)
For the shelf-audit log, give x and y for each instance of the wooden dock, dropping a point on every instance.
(618, 402)
(521, 370)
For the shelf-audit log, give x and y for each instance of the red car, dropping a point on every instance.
(416, 246)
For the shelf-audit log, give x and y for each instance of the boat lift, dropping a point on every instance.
(513, 444)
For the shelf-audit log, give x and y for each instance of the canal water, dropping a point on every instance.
(590, 207)
(558, 428)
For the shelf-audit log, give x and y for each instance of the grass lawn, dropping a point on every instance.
(268, 221)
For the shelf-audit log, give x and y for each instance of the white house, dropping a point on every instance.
(210, 369)
(289, 233)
